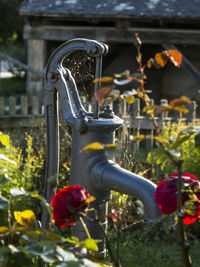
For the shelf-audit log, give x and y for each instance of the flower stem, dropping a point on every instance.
(115, 262)
(85, 228)
(181, 234)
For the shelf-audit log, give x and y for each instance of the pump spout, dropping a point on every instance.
(110, 176)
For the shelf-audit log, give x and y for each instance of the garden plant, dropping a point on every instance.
(130, 241)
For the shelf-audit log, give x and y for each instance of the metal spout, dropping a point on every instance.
(107, 175)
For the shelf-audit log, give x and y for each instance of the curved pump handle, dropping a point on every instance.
(92, 47)
(59, 78)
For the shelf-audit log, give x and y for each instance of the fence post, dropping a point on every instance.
(1, 105)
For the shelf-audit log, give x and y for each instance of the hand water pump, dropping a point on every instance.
(91, 170)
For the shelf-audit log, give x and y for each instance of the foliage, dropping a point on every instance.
(22, 243)
(11, 23)
(168, 147)
(188, 150)
(12, 86)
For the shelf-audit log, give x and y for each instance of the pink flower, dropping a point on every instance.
(66, 204)
(166, 196)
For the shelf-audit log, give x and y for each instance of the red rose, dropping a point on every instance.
(67, 202)
(166, 196)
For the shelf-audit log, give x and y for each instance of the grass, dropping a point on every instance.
(153, 251)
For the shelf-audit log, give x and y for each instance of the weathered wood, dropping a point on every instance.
(36, 60)
(19, 121)
(20, 64)
(1, 106)
(112, 34)
(131, 116)
(12, 105)
(150, 133)
(136, 108)
(192, 111)
(35, 105)
(164, 102)
(24, 105)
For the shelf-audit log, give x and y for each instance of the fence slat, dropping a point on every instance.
(35, 105)
(150, 133)
(12, 105)
(24, 105)
(192, 111)
(164, 102)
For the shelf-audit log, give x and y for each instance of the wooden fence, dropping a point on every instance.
(18, 112)
(21, 113)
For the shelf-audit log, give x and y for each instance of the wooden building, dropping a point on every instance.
(158, 22)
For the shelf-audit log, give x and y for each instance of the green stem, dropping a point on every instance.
(108, 247)
(118, 239)
(181, 234)
(85, 228)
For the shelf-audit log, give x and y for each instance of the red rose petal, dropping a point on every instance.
(66, 203)
(166, 196)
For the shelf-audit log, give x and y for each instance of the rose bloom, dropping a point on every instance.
(67, 202)
(166, 195)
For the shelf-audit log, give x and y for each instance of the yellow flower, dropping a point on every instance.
(25, 218)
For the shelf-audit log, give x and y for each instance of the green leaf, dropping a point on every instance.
(130, 99)
(174, 153)
(93, 146)
(154, 154)
(47, 258)
(129, 93)
(52, 237)
(179, 142)
(70, 264)
(13, 248)
(88, 263)
(90, 244)
(3, 150)
(46, 252)
(197, 140)
(197, 150)
(162, 139)
(32, 236)
(3, 157)
(72, 240)
(161, 158)
(121, 82)
(4, 251)
(3, 203)
(4, 178)
(4, 139)
(18, 192)
(64, 255)
(35, 249)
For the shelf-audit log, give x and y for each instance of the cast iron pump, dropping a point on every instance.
(91, 170)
